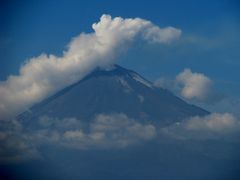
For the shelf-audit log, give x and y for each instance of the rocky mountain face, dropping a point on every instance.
(117, 90)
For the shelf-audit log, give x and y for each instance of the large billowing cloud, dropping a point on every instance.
(42, 76)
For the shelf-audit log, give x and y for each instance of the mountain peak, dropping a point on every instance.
(114, 90)
(119, 71)
(112, 70)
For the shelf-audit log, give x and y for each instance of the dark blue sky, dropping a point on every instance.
(30, 28)
(209, 44)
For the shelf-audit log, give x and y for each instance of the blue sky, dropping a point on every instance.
(209, 43)
(200, 65)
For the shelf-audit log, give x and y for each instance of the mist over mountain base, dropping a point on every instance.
(178, 160)
(115, 124)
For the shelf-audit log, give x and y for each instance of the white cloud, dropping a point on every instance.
(212, 126)
(76, 134)
(44, 75)
(166, 83)
(109, 131)
(103, 132)
(190, 85)
(215, 122)
(165, 35)
(195, 85)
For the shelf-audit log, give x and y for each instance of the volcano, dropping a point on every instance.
(115, 90)
(75, 144)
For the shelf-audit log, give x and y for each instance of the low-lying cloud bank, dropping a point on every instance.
(108, 131)
(15, 144)
(42, 76)
(214, 126)
(104, 132)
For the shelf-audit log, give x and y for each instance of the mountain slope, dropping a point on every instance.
(114, 91)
